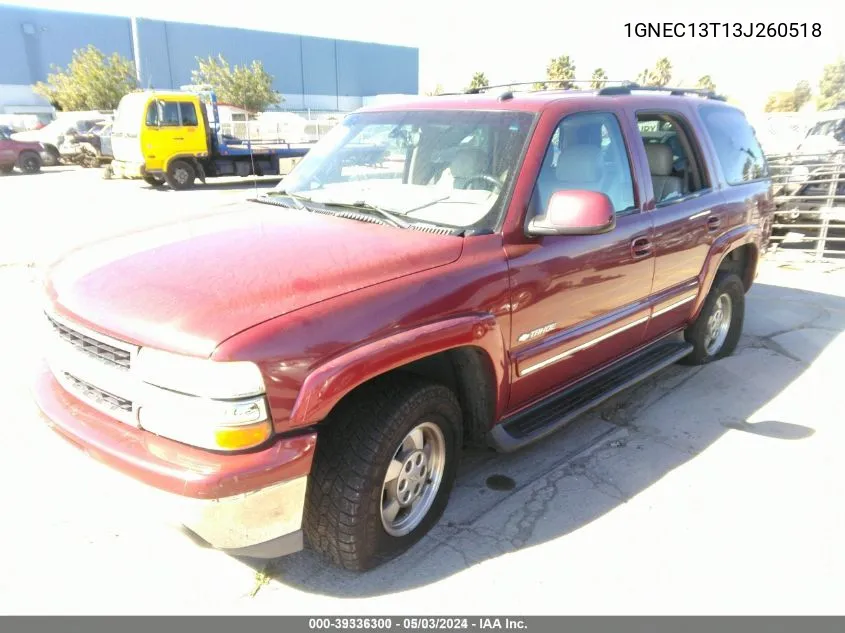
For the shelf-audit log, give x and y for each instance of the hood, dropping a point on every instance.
(29, 136)
(187, 287)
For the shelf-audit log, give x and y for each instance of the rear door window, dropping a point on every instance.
(737, 149)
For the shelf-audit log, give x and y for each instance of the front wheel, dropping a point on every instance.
(52, 157)
(29, 163)
(152, 181)
(180, 174)
(383, 471)
(716, 331)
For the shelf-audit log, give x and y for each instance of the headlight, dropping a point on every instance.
(198, 376)
(204, 403)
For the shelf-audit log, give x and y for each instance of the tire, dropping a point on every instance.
(726, 295)
(180, 175)
(54, 158)
(6, 169)
(153, 182)
(29, 162)
(344, 519)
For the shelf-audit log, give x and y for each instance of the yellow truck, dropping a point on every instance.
(175, 137)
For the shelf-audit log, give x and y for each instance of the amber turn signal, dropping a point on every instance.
(239, 437)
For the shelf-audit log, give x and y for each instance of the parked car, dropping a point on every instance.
(805, 179)
(88, 148)
(52, 135)
(25, 156)
(308, 367)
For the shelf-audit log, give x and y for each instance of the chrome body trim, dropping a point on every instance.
(583, 346)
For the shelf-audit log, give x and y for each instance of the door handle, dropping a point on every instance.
(641, 247)
(178, 138)
(713, 223)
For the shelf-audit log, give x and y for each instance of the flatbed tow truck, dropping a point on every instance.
(175, 137)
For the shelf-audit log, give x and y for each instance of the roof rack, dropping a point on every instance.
(544, 82)
(675, 92)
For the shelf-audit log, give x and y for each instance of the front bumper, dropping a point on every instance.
(248, 504)
(124, 169)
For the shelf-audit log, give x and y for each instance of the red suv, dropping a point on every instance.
(470, 269)
(26, 156)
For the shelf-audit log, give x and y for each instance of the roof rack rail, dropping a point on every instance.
(675, 92)
(544, 82)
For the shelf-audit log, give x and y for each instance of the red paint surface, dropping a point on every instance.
(10, 150)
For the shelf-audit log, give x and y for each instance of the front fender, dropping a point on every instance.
(329, 383)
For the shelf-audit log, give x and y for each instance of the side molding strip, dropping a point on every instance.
(674, 305)
(583, 346)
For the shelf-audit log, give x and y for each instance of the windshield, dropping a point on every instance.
(130, 112)
(834, 128)
(445, 167)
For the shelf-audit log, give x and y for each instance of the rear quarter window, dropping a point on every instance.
(737, 149)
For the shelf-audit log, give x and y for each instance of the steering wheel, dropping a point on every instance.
(498, 184)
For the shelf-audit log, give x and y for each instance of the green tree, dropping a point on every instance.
(479, 80)
(438, 90)
(560, 70)
(92, 81)
(706, 83)
(783, 101)
(660, 75)
(802, 93)
(832, 85)
(247, 86)
(599, 79)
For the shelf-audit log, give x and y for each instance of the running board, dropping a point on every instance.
(556, 411)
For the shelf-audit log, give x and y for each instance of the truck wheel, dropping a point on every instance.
(180, 175)
(29, 163)
(153, 181)
(384, 467)
(718, 327)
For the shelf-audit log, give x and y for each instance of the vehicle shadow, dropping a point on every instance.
(41, 172)
(504, 503)
(262, 183)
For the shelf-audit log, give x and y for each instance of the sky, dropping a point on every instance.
(513, 41)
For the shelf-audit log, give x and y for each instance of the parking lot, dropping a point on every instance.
(715, 489)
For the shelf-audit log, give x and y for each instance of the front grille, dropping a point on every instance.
(96, 395)
(97, 349)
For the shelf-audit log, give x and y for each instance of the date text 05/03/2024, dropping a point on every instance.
(724, 29)
(415, 623)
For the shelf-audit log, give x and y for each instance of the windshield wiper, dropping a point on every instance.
(388, 216)
(297, 199)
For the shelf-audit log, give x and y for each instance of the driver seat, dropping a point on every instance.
(468, 162)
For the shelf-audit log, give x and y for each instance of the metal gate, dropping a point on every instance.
(810, 201)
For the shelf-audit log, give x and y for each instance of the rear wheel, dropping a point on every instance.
(29, 163)
(180, 174)
(718, 327)
(384, 468)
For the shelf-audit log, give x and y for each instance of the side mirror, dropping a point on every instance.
(575, 212)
